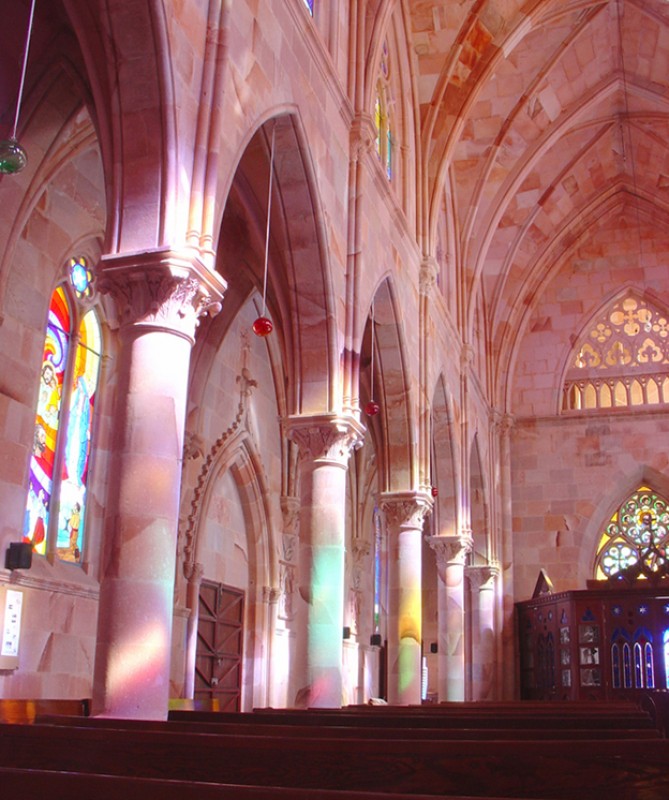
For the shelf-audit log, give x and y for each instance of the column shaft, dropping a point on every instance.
(325, 445)
(159, 297)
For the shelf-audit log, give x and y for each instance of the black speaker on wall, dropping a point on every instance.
(347, 632)
(19, 555)
(375, 640)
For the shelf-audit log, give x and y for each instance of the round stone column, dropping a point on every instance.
(194, 573)
(325, 444)
(451, 553)
(482, 581)
(404, 514)
(159, 298)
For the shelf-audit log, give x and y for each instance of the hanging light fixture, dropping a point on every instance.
(13, 157)
(263, 325)
(372, 408)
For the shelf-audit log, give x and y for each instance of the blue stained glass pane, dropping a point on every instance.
(79, 275)
(650, 672)
(310, 5)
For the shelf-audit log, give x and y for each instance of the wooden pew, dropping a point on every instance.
(629, 769)
(25, 711)
(68, 785)
(370, 718)
(262, 727)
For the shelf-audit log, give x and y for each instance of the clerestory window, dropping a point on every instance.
(622, 359)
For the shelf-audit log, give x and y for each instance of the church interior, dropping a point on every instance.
(356, 318)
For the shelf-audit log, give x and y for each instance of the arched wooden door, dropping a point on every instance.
(220, 637)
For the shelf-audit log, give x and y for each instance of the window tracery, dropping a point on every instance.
(622, 360)
(634, 543)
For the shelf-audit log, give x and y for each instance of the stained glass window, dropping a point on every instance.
(382, 117)
(56, 505)
(310, 5)
(635, 540)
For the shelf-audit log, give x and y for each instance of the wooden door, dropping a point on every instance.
(220, 642)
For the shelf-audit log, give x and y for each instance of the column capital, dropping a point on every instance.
(427, 279)
(467, 354)
(290, 512)
(482, 577)
(405, 509)
(325, 437)
(270, 595)
(161, 289)
(451, 550)
(363, 136)
(193, 571)
(501, 422)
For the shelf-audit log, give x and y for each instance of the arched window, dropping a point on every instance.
(382, 117)
(57, 492)
(621, 360)
(635, 540)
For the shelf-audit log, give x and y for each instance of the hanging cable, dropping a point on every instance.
(13, 157)
(263, 325)
(372, 408)
(622, 137)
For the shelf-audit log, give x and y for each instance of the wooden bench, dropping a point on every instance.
(389, 731)
(371, 718)
(68, 785)
(626, 769)
(25, 711)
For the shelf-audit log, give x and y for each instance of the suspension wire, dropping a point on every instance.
(371, 391)
(622, 137)
(269, 213)
(19, 97)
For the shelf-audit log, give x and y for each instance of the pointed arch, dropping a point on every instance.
(300, 294)
(392, 429)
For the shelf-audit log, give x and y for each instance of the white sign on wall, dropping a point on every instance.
(11, 625)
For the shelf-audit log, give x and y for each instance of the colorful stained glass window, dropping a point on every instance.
(382, 117)
(310, 5)
(63, 424)
(634, 543)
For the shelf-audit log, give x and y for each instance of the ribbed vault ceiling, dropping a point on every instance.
(538, 120)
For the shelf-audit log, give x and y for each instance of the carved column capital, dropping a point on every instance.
(162, 289)
(405, 509)
(466, 357)
(450, 550)
(325, 438)
(429, 269)
(482, 577)
(193, 572)
(363, 136)
(270, 596)
(290, 512)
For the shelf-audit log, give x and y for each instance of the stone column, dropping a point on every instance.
(451, 553)
(325, 444)
(159, 297)
(482, 581)
(404, 514)
(194, 572)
